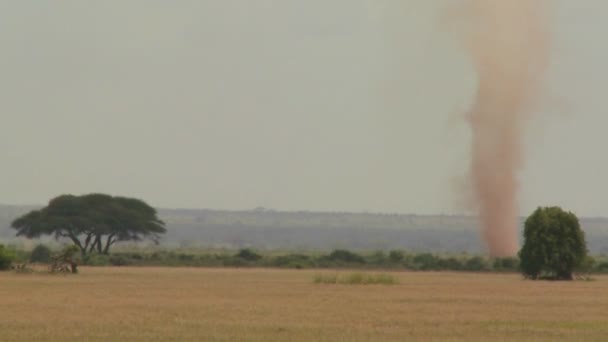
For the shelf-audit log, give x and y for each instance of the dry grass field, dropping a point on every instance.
(181, 304)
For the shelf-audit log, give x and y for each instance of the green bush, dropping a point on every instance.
(377, 258)
(451, 264)
(120, 260)
(346, 256)
(185, 257)
(587, 265)
(97, 260)
(134, 256)
(41, 254)
(506, 264)
(602, 266)
(156, 256)
(424, 262)
(248, 254)
(211, 260)
(396, 256)
(6, 258)
(235, 262)
(476, 263)
(292, 261)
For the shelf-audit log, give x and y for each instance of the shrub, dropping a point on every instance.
(248, 254)
(343, 255)
(135, 256)
(6, 258)
(211, 260)
(476, 263)
(506, 264)
(396, 256)
(119, 260)
(587, 265)
(185, 257)
(66, 261)
(377, 258)
(602, 266)
(97, 260)
(41, 254)
(292, 261)
(235, 262)
(451, 264)
(425, 261)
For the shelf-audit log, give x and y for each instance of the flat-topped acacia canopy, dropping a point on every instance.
(93, 222)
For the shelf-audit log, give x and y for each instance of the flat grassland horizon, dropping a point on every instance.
(196, 304)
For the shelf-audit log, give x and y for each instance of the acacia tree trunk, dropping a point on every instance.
(83, 249)
(87, 241)
(98, 244)
(94, 244)
(109, 242)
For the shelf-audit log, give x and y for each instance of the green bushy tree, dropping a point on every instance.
(248, 254)
(554, 245)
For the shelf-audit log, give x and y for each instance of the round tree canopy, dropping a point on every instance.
(554, 244)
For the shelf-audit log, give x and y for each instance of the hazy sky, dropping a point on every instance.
(289, 104)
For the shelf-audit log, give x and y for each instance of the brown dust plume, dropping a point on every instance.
(507, 41)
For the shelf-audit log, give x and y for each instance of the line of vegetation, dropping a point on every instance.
(336, 259)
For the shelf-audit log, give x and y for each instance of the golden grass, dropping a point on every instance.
(185, 304)
(356, 278)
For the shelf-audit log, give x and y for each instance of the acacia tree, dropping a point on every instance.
(554, 244)
(93, 222)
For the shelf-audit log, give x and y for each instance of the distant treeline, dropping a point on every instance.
(266, 229)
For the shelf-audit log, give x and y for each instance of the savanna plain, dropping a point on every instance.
(197, 304)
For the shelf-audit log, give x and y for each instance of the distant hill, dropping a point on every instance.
(268, 229)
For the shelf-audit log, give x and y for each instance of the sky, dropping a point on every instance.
(333, 105)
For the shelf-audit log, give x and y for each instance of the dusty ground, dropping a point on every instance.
(163, 304)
